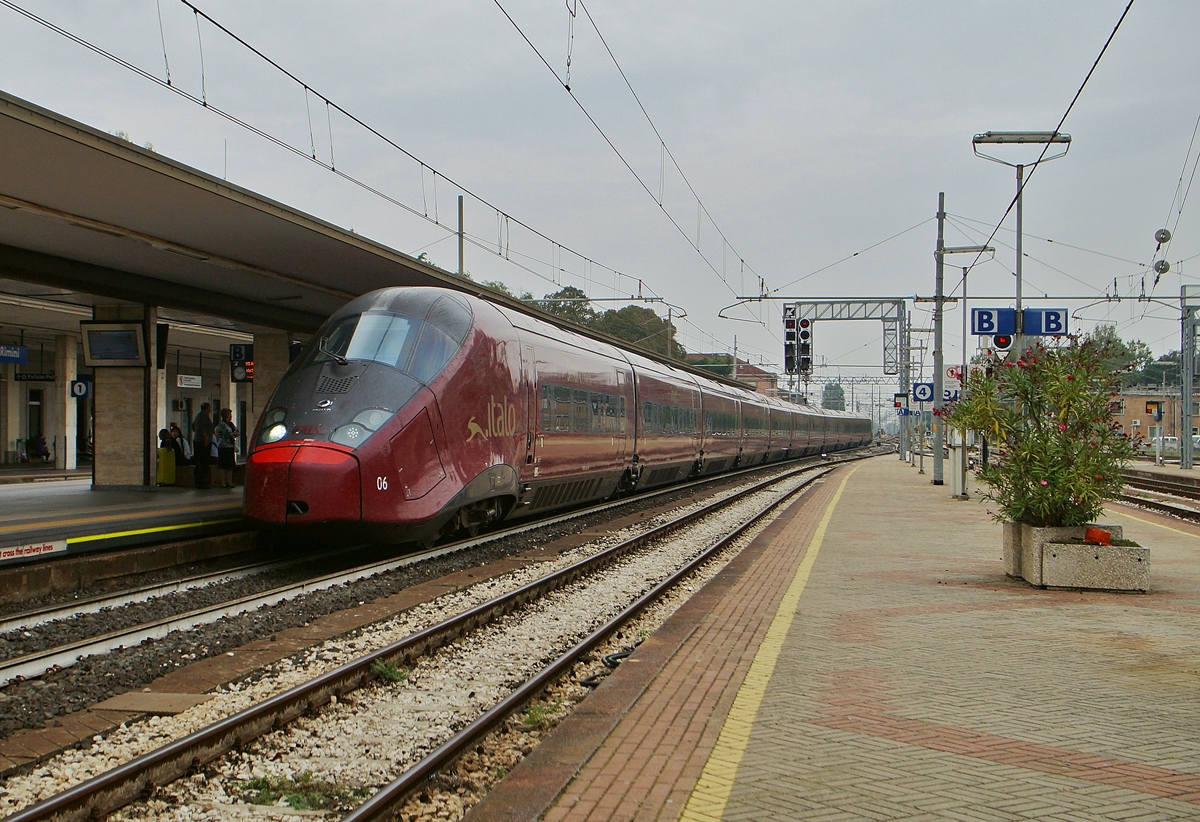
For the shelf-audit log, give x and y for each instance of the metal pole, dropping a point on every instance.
(921, 429)
(962, 386)
(1019, 337)
(670, 332)
(902, 330)
(462, 271)
(735, 357)
(1187, 368)
(938, 359)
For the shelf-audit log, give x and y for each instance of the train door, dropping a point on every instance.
(533, 412)
(617, 410)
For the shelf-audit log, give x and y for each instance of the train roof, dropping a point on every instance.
(607, 344)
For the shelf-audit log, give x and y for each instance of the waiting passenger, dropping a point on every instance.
(185, 447)
(225, 437)
(40, 449)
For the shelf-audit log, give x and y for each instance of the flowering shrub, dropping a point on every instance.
(1060, 453)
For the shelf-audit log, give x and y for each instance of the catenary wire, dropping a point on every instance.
(1057, 129)
(260, 132)
(604, 135)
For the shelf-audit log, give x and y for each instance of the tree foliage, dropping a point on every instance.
(1128, 358)
(642, 327)
(496, 285)
(1060, 454)
(633, 323)
(568, 303)
(721, 364)
(834, 397)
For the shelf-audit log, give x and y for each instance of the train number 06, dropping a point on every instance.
(381, 483)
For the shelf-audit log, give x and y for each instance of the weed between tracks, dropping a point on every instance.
(302, 793)
(389, 672)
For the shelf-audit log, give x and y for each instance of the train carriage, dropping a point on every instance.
(416, 412)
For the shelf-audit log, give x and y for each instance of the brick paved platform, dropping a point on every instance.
(902, 677)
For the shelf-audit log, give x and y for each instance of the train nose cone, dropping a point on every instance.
(303, 484)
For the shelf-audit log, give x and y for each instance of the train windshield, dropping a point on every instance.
(376, 336)
(419, 348)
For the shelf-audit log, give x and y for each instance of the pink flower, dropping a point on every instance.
(1062, 427)
(1045, 483)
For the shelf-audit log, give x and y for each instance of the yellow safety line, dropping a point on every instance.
(708, 798)
(25, 526)
(156, 530)
(1156, 524)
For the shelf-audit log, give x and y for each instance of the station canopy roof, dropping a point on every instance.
(87, 212)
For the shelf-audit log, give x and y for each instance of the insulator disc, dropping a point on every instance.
(1162, 236)
(1162, 266)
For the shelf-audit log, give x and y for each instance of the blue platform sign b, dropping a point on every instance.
(990, 321)
(1045, 322)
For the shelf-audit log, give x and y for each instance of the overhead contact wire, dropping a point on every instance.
(331, 166)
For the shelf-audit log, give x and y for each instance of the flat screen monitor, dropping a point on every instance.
(109, 344)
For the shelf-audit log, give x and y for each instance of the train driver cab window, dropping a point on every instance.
(377, 336)
(380, 337)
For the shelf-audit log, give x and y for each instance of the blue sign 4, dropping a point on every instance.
(922, 392)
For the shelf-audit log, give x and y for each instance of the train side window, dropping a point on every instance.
(547, 414)
(621, 414)
(434, 350)
(596, 413)
(562, 408)
(580, 416)
(452, 315)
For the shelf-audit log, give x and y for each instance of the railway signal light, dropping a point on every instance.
(1002, 344)
(1154, 409)
(804, 336)
(789, 339)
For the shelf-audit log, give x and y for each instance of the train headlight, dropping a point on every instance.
(353, 435)
(372, 418)
(274, 433)
(275, 415)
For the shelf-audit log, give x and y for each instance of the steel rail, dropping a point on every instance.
(1162, 507)
(1184, 490)
(62, 656)
(387, 801)
(113, 789)
(89, 605)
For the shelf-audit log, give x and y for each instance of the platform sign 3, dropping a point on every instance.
(990, 321)
(922, 392)
(1045, 322)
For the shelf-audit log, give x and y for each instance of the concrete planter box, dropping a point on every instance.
(1042, 557)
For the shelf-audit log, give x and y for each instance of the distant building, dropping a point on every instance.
(760, 380)
(1129, 409)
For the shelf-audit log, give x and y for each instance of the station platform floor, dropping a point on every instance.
(40, 519)
(866, 658)
(15, 473)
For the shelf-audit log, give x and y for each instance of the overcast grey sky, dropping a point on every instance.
(810, 130)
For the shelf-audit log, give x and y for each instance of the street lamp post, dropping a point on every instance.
(1045, 138)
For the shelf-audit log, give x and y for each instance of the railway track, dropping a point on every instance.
(42, 659)
(115, 788)
(1183, 490)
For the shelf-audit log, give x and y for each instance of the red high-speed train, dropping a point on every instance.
(415, 412)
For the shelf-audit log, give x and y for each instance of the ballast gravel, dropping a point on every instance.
(35, 703)
(373, 734)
